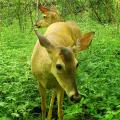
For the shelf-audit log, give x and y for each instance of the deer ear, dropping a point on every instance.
(53, 8)
(85, 40)
(43, 9)
(45, 42)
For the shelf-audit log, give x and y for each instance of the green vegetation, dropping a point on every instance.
(98, 76)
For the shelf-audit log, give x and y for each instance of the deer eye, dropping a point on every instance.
(77, 65)
(44, 16)
(59, 66)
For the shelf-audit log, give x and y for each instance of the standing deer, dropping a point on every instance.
(51, 15)
(54, 63)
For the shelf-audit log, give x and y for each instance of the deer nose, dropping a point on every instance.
(75, 98)
(38, 26)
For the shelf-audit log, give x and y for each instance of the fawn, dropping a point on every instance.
(51, 15)
(54, 63)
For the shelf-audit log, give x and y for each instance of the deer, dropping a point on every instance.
(50, 16)
(54, 63)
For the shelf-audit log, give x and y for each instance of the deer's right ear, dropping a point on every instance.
(43, 9)
(85, 41)
(45, 42)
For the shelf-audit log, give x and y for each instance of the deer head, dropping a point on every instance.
(50, 16)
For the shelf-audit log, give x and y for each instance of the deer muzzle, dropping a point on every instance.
(75, 98)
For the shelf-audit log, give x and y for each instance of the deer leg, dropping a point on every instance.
(60, 96)
(43, 103)
(51, 106)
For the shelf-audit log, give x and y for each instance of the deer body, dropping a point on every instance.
(54, 63)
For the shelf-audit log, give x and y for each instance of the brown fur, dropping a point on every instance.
(54, 62)
(50, 16)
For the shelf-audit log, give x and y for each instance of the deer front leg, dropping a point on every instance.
(51, 106)
(43, 102)
(60, 96)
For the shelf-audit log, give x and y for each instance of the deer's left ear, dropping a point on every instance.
(43, 9)
(85, 41)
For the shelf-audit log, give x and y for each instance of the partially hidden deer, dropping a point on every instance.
(50, 16)
(54, 63)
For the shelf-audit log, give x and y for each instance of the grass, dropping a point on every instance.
(98, 76)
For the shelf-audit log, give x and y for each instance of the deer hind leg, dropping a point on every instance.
(43, 103)
(51, 105)
(60, 96)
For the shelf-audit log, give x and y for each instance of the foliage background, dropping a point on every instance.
(98, 76)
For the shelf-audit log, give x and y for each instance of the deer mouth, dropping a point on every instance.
(75, 98)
